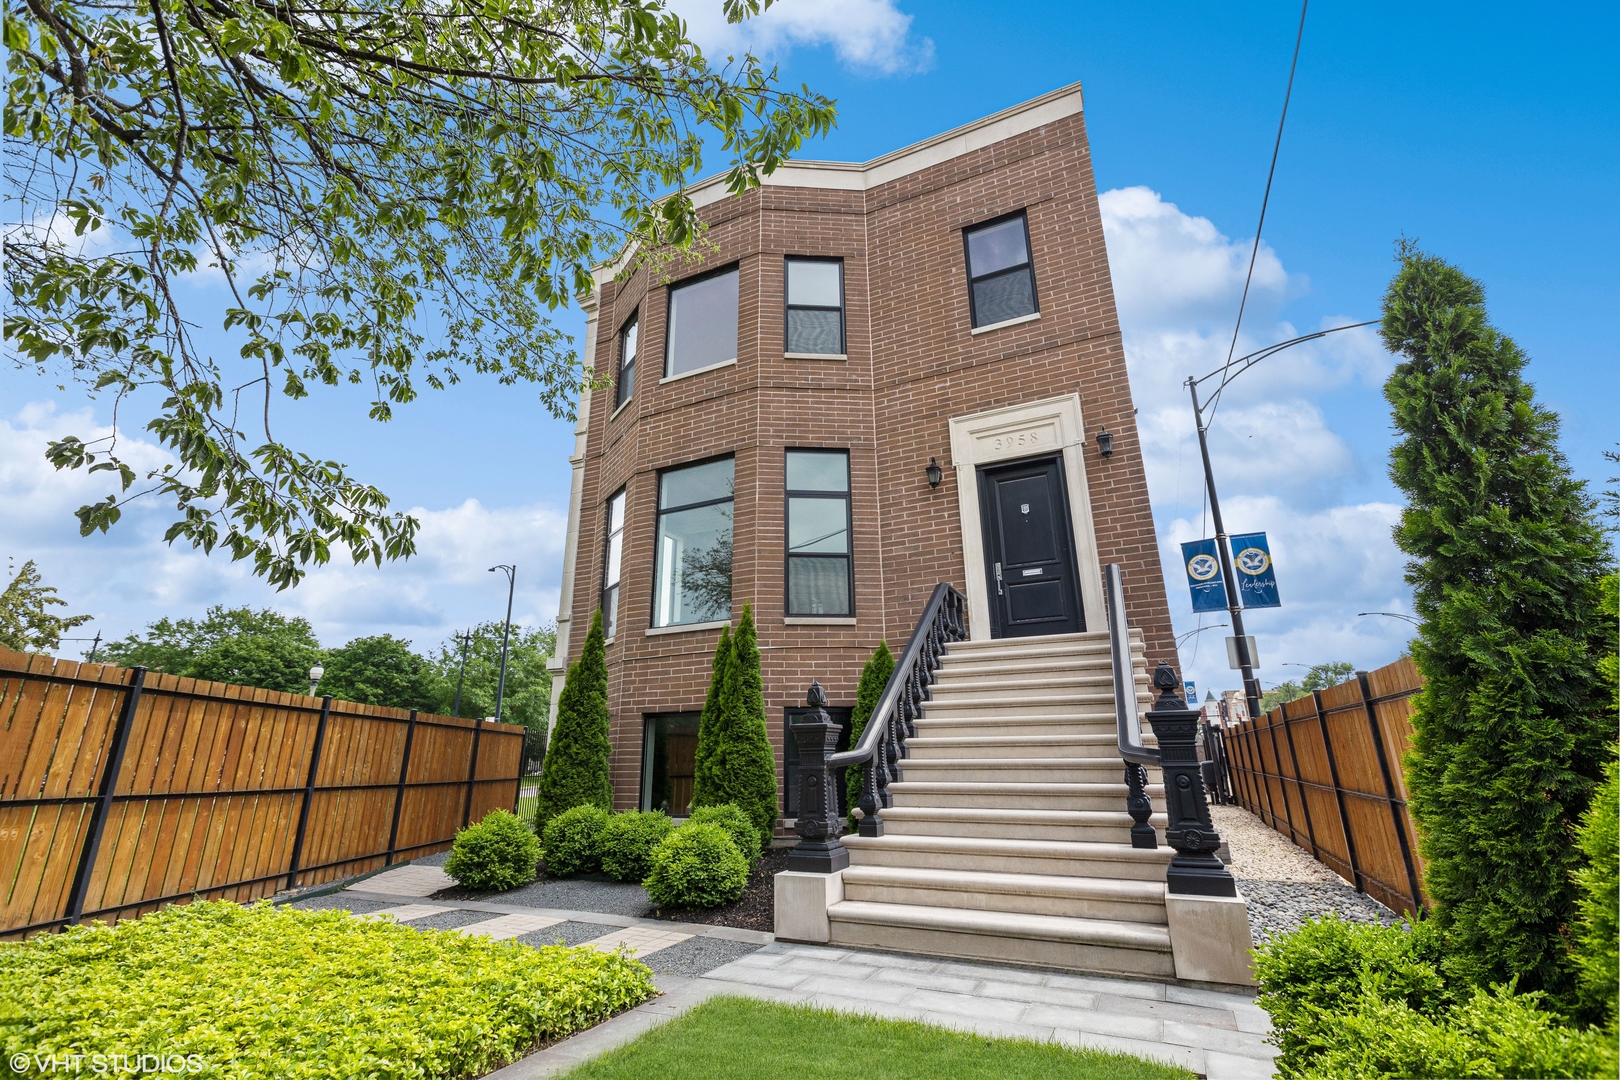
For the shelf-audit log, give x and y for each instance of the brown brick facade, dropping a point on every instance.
(912, 365)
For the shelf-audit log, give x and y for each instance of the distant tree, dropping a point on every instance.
(576, 768)
(1611, 496)
(26, 621)
(874, 677)
(739, 766)
(1513, 726)
(380, 670)
(528, 683)
(232, 645)
(1281, 694)
(1319, 677)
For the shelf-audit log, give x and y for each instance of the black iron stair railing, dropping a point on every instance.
(882, 744)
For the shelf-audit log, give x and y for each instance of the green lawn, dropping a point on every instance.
(726, 1038)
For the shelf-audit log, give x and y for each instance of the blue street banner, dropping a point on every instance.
(1256, 574)
(1190, 688)
(1203, 563)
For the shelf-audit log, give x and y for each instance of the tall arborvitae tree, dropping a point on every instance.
(576, 768)
(738, 765)
(1514, 725)
(874, 677)
(709, 722)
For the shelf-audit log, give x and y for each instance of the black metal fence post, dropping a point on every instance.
(104, 797)
(1389, 790)
(399, 794)
(819, 850)
(1338, 793)
(1194, 869)
(309, 791)
(472, 774)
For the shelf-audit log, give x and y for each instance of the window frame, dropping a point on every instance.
(788, 555)
(607, 555)
(1028, 265)
(669, 307)
(659, 510)
(788, 307)
(622, 398)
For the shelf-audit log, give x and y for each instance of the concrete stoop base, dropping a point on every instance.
(1210, 938)
(802, 900)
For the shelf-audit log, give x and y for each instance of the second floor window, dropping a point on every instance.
(815, 306)
(692, 577)
(819, 581)
(611, 564)
(627, 361)
(1001, 279)
(702, 324)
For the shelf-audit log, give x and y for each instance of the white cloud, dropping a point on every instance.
(130, 577)
(866, 35)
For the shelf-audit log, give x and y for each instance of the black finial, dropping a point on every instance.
(817, 697)
(1164, 678)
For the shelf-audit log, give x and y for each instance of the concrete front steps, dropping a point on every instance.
(1008, 839)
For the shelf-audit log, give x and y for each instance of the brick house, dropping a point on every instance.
(776, 406)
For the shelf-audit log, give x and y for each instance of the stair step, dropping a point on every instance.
(1047, 940)
(949, 684)
(1097, 826)
(1017, 794)
(1051, 770)
(1071, 705)
(1031, 894)
(1060, 857)
(947, 725)
(1097, 745)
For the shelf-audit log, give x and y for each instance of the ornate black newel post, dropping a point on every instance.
(816, 736)
(1139, 806)
(1194, 869)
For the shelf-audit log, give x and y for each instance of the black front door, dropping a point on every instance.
(1029, 550)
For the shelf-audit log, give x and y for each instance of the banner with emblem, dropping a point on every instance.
(1202, 559)
(1256, 574)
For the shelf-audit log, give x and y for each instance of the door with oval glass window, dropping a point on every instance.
(1030, 570)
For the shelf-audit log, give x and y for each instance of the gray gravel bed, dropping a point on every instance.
(698, 955)
(578, 894)
(1277, 907)
(449, 920)
(345, 901)
(571, 933)
(436, 859)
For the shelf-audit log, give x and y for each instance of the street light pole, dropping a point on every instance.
(461, 679)
(506, 635)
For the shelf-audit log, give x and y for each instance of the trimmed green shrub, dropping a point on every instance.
(874, 677)
(576, 767)
(268, 993)
(572, 841)
(1514, 725)
(696, 866)
(626, 843)
(709, 720)
(1597, 955)
(735, 762)
(498, 853)
(737, 826)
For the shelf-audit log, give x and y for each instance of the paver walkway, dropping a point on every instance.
(413, 879)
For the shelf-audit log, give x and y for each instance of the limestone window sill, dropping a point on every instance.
(1031, 317)
(614, 415)
(686, 628)
(819, 620)
(814, 356)
(697, 371)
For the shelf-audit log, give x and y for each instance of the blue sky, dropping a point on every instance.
(1485, 131)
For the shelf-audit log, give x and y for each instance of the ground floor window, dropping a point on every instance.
(790, 758)
(669, 762)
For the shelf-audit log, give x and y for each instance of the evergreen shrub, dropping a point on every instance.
(734, 761)
(1597, 954)
(737, 825)
(576, 766)
(498, 853)
(1514, 725)
(696, 866)
(626, 843)
(572, 841)
(874, 677)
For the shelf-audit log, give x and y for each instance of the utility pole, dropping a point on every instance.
(506, 636)
(466, 642)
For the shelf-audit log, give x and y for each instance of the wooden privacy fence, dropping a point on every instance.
(123, 789)
(1325, 771)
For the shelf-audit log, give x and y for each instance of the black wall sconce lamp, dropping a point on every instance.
(1105, 443)
(935, 473)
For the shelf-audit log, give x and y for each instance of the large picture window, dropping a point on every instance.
(702, 324)
(819, 581)
(692, 581)
(611, 564)
(628, 340)
(815, 306)
(1001, 279)
(669, 762)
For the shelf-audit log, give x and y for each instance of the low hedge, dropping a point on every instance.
(281, 994)
(498, 853)
(571, 841)
(737, 824)
(626, 843)
(696, 866)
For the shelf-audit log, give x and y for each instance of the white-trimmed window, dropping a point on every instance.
(612, 563)
(702, 323)
(815, 306)
(1001, 278)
